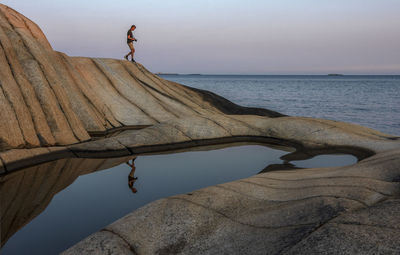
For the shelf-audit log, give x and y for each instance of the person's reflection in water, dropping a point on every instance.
(131, 176)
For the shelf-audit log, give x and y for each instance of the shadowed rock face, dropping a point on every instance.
(52, 105)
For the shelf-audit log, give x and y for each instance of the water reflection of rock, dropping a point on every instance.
(29, 191)
(301, 154)
(277, 167)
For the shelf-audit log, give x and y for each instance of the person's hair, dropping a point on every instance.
(133, 26)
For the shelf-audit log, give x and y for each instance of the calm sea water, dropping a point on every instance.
(371, 101)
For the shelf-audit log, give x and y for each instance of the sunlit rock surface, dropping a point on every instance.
(53, 106)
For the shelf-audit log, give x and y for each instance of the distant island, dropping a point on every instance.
(178, 74)
(167, 73)
(191, 74)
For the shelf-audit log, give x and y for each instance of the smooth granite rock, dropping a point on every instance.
(54, 106)
(342, 210)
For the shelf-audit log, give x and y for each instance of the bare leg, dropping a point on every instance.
(132, 165)
(131, 176)
(132, 52)
(127, 55)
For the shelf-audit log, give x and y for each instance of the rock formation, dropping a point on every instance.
(53, 106)
(344, 210)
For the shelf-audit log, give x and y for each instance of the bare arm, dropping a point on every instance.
(131, 38)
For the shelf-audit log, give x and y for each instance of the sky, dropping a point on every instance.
(228, 36)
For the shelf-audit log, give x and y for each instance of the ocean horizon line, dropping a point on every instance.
(247, 74)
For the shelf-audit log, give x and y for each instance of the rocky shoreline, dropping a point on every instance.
(55, 107)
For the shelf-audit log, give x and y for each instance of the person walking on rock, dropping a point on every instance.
(130, 41)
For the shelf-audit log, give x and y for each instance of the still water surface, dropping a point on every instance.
(97, 199)
(369, 100)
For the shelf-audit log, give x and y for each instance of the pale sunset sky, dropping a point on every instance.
(228, 37)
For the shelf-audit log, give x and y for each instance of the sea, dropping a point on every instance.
(368, 100)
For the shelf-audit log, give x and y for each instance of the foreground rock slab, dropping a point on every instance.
(344, 210)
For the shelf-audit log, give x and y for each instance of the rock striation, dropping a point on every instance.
(344, 210)
(53, 106)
